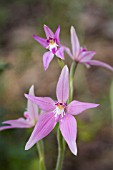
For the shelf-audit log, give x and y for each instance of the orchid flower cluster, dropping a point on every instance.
(63, 110)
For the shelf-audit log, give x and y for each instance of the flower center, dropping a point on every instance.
(27, 116)
(51, 42)
(60, 109)
(29, 119)
(52, 45)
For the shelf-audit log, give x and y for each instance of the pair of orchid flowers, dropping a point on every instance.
(52, 113)
(54, 47)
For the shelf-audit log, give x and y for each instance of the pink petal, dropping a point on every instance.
(76, 107)
(42, 41)
(87, 65)
(44, 103)
(68, 127)
(18, 123)
(43, 127)
(6, 127)
(62, 90)
(86, 56)
(100, 63)
(69, 53)
(74, 42)
(47, 57)
(48, 32)
(57, 33)
(60, 53)
(31, 107)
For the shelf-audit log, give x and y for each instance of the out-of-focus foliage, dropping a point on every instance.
(3, 66)
(111, 99)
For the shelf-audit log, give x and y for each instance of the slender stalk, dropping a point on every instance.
(72, 72)
(61, 63)
(40, 149)
(61, 150)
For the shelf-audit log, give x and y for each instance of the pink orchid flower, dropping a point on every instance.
(58, 112)
(31, 116)
(52, 43)
(82, 55)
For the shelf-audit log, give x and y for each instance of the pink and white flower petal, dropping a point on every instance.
(86, 56)
(6, 127)
(43, 127)
(62, 89)
(60, 53)
(68, 127)
(49, 33)
(76, 107)
(32, 108)
(47, 57)
(68, 51)
(42, 41)
(18, 123)
(57, 33)
(87, 65)
(44, 103)
(74, 42)
(99, 63)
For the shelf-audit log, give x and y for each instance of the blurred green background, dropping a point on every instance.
(21, 66)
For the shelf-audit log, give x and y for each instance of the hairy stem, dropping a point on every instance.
(40, 149)
(61, 63)
(61, 150)
(71, 81)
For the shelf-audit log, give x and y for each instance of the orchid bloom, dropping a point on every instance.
(31, 116)
(52, 43)
(82, 55)
(58, 112)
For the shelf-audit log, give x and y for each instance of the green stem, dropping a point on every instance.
(40, 149)
(72, 72)
(61, 150)
(61, 63)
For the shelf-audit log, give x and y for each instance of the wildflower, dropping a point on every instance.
(82, 55)
(52, 43)
(31, 116)
(58, 112)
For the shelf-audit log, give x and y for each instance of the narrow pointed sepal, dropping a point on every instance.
(47, 58)
(43, 127)
(68, 127)
(32, 108)
(99, 63)
(62, 90)
(41, 41)
(60, 53)
(57, 34)
(17, 123)
(44, 103)
(86, 56)
(76, 107)
(74, 42)
(49, 33)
